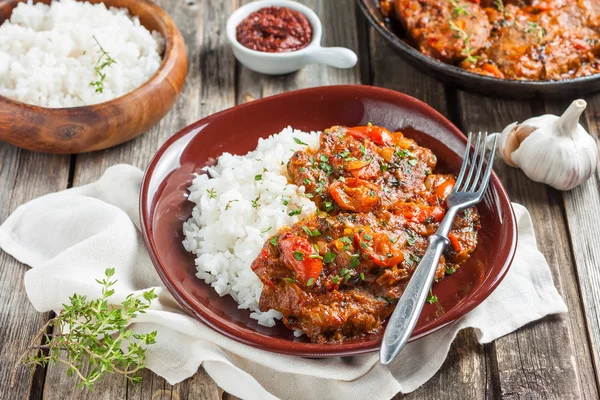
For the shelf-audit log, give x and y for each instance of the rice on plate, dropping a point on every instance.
(71, 53)
(240, 203)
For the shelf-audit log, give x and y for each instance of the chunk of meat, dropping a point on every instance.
(446, 30)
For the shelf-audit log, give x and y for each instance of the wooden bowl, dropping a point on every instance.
(102, 125)
(164, 207)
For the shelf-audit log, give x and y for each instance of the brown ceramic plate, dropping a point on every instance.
(164, 206)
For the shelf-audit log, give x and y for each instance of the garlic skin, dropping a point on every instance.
(553, 150)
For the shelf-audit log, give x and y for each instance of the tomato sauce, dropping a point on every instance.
(338, 274)
(274, 30)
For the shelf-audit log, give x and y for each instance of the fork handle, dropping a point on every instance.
(405, 316)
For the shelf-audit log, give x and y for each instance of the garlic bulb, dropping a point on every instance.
(550, 149)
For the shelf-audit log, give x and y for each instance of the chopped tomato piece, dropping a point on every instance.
(376, 134)
(419, 213)
(355, 194)
(454, 242)
(443, 190)
(357, 164)
(378, 247)
(387, 153)
(296, 252)
(492, 70)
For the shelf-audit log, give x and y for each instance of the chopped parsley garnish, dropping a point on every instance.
(329, 257)
(354, 260)
(411, 239)
(310, 282)
(298, 256)
(255, 202)
(300, 141)
(323, 158)
(336, 279)
(211, 193)
(314, 232)
(384, 166)
(372, 193)
(344, 154)
(266, 230)
(309, 195)
(306, 181)
(368, 237)
(346, 239)
(289, 280)
(363, 150)
(257, 177)
(450, 270)
(362, 276)
(328, 205)
(432, 299)
(402, 153)
(273, 240)
(285, 201)
(412, 162)
(364, 245)
(295, 212)
(313, 256)
(347, 277)
(343, 271)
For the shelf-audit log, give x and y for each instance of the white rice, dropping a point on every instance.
(227, 230)
(48, 54)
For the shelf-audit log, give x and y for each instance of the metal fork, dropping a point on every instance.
(468, 191)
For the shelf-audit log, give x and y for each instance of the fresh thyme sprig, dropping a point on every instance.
(88, 337)
(459, 9)
(466, 38)
(104, 61)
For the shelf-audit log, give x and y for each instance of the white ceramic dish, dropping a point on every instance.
(284, 63)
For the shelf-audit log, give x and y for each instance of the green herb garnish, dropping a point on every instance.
(431, 299)
(298, 256)
(88, 337)
(300, 142)
(295, 212)
(104, 61)
(310, 282)
(329, 257)
(211, 193)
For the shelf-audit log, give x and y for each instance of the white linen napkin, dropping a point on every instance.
(69, 238)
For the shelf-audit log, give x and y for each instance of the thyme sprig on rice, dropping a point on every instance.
(104, 61)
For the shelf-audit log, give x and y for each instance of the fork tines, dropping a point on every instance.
(472, 184)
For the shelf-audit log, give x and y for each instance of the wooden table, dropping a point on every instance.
(555, 358)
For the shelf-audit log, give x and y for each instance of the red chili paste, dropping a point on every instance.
(274, 30)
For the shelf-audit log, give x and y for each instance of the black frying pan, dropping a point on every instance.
(463, 79)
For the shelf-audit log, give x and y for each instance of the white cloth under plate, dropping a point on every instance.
(69, 238)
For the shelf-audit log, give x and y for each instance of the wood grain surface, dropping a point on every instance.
(554, 358)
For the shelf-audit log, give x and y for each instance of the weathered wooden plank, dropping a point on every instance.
(548, 359)
(209, 88)
(583, 217)
(23, 176)
(463, 374)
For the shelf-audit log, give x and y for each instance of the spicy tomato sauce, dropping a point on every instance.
(338, 274)
(274, 30)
